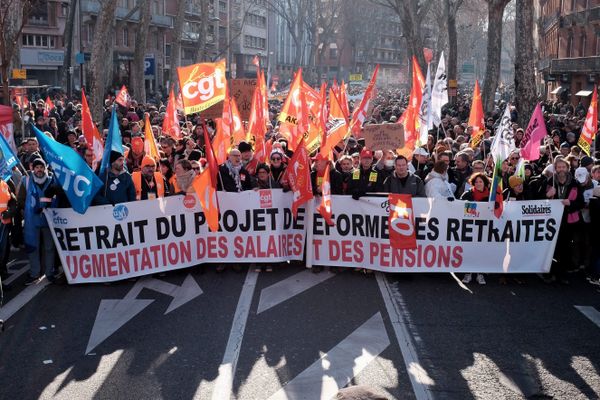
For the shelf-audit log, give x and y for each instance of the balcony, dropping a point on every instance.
(93, 7)
(543, 64)
(576, 65)
(582, 17)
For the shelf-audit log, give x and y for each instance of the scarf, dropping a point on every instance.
(185, 180)
(234, 172)
(42, 180)
(481, 196)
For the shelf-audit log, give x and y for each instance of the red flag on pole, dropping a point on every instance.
(401, 222)
(590, 126)
(298, 174)
(325, 206)
(123, 97)
(171, 122)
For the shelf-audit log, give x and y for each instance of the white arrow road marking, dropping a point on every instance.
(10, 308)
(591, 313)
(113, 314)
(336, 368)
(290, 287)
(224, 382)
(15, 274)
(394, 304)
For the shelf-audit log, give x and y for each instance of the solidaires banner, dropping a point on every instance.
(455, 236)
(145, 237)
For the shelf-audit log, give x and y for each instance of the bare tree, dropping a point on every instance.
(100, 50)
(294, 13)
(175, 57)
(141, 40)
(201, 46)
(66, 73)
(525, 90)
(494, 52)
(451, 9)
(412, 13)
(13, 17)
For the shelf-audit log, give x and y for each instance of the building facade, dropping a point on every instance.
(569, 48)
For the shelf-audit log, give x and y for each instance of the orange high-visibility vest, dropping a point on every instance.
(5, 197)
(158, 179)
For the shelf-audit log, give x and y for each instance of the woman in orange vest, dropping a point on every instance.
(149, 184)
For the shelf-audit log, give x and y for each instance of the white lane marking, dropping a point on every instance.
(290, 287)
(224, 382)
(590, 312)
(114, 313)
(15, 274)
(10, 308)
(336, 368)
(394, 304)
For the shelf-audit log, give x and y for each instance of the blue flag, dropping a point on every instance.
(114, 142)
(76, 178)
(8, 160)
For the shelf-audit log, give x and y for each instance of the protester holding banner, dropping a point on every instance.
(233, 177)
(365, 179)
(149, 183)
(436, 182)
(402, 181)
(181, 182)
(562, 186)
(38, 240)
(118, 185)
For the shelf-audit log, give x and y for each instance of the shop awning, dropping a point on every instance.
(558, 90)
(583, 93)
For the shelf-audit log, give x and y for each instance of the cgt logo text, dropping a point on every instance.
(533, 211)
(57, 220)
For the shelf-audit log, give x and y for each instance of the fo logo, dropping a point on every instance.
(266, 198)
(189, 201)
(120, 212)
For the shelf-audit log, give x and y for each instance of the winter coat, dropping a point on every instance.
(437, 186)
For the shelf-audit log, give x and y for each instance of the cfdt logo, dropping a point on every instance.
(120, 212)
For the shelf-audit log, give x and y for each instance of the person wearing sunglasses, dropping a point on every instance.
(277, 169)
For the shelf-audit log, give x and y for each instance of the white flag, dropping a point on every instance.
(439, 95)
(504, 140)
(425, 111)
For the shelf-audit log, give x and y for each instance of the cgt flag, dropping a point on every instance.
(123, 98)
(325, 205)
(202, 85)
(298, 174)
(591, 124)
(401, 222)
(77, 179)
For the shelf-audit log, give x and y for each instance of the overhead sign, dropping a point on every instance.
(19, 73)
(355, 77)
(384, 136)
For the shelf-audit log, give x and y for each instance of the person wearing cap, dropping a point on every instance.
(515, 190)
(233, 177)
(420, 162)
(136, 155)
(245, 149)
(402, 181)
(562, 186)
(33, 198)
(149, 183)
(317, 174)
(118, 185)
(587, 162)
(365, 179)
(565, 149)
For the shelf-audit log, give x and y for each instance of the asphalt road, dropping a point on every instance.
(292, 334)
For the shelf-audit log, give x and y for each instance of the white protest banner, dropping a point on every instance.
(384, 136)
(453, 236)
(145, 237)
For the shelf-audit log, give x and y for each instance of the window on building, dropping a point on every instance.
(39, 14)
(222, 6)
(125, 37)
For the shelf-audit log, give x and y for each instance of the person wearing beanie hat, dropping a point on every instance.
(149, 184)
(118, 186)
(587, 162)
(35, 195)
(136, 154)
(246, 150)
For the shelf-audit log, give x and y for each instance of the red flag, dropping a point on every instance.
(213, 166)
(208, 199)
(179, 102)
(337, 126)
(590, 127)
(325, 206)
(222, 141)
(48, 106)
(499, 202)
(401, 222)
(298, 174)
(343, 98)
(171, 122)
(123, 97)
(476, 118)
(410, 117)
(90, 131)
(535, 133)
(360, 113)
(292, 120)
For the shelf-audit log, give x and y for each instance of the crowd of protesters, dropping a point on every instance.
(446, 168)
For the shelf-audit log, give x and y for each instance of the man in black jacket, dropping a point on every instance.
(365, 179)
(232, 175)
